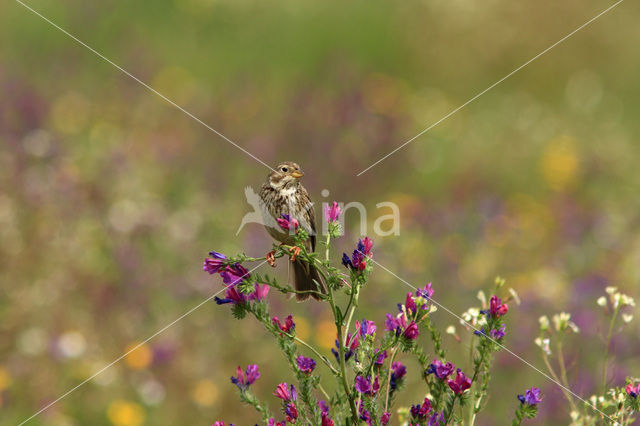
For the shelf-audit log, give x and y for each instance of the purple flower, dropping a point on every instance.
(461, 384)
(358, 261)
(232, 295)
(364, 414)
(410, 304)
(426, 292)
(442, 371)
(380, 357)
(219, 423)
(287, 326)
(421, 411)
(437, 419)
(272, 422)
(286, 392)
(288, 223)
(384, 419)
(495, 334)
(324, 413)
(351, 344)
(397, 373)
(306, 365)
(331, 213)
(411, 331)
(324, 407)
(496, 307)
(244, 380)
(365, 386)
(366, 328)
(214, 263)
(531, 397)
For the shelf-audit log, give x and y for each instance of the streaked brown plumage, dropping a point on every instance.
(282, 193)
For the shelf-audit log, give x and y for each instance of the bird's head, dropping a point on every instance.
(285, 175)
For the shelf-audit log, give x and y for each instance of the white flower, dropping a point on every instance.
(602, 301)
(482, 298)
(627, 318)
(515, 296)
(451, 329)
(544, 323)
(544, 345)
(611, 290)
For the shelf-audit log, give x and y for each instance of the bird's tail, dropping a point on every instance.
(307, 278)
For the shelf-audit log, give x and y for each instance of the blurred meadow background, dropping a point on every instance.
(110, 197)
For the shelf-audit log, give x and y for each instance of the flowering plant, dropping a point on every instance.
(367, 362)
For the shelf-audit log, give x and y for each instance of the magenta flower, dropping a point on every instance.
(219, 423)
(324, 413)
(306, 365)
(291, 412)
(213, 264)
(233, 274)
(496, 307)
(461, 384)
(286, 392)
(358, 260)
(632, 391)
(249, 377)
(232, 295)
(442, 371)
(288, 223)
(287, 326)
(531, 396)
(384, 419)
(272, 422)
(365, 415)
(332, 212)
(411, 332)
(421, 411)
(260, 293)
(410, 304)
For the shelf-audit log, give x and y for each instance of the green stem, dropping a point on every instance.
(338, 321)
(449, 408)
(606, 352)
(545, 358)
(563, 372)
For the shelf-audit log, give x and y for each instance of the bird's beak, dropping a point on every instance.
(297, 174)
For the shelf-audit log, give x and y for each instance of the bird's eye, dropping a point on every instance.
(284, 169)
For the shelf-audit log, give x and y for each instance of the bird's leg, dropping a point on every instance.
(296, 251)
(271, 258)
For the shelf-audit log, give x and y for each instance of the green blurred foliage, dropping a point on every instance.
(111, 197)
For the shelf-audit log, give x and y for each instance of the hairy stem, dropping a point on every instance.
(606, 350)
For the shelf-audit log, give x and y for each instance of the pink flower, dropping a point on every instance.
(384, 419)
(286, 392)
(288, 223)
(332, 212)
(632, 391)
(260, 293)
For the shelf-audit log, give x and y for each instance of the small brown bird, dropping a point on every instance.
(282, 194)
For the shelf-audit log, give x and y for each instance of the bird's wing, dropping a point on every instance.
(308, 207)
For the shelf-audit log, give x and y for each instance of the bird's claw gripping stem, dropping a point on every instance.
(271, 258)
(296, 251)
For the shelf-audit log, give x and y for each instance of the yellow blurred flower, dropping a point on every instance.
(325, 334)
(5, 379)
(140, 358)
(205, 393)
(125, 413)
(302, 328)
(560, 163)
